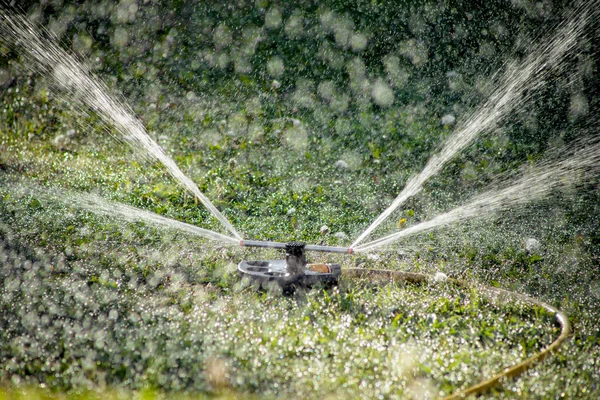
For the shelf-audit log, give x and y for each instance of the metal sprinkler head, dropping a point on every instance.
(295, 271)
(295, 258)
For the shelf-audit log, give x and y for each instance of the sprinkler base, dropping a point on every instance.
(265, 273)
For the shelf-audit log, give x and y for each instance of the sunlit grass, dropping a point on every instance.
(285, 131)
(126, 305)
(168, 312)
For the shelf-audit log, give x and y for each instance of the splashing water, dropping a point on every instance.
(46, 58)
(582, 166)
(100, 206)
(510, 94)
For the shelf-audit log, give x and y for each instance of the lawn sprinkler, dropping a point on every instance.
(295, 270)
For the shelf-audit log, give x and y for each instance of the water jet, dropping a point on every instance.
(296, 270)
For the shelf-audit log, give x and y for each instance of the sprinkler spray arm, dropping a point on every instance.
(310, 247)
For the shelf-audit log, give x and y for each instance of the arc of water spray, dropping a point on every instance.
(507, 97)
(100, 206)
(71, 76)
(582, 166)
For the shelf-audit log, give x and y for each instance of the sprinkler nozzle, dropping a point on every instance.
(308, 247)
(295, 258)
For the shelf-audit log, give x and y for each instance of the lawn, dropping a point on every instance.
(288, 117)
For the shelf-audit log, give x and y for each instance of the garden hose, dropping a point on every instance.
(510, 372)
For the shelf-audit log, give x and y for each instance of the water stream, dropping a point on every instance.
(75, 83)
(583, 165)
(516, 84)
(518, 80)
(100, 206)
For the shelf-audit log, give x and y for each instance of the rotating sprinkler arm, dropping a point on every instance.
(310, 247)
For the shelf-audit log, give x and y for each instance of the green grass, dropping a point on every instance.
(90, 304)
(134, 307)
(115, 319)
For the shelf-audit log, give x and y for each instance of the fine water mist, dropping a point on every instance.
(100, 206)
(516, 83)
(76, 84)
(104, 299)
(582, 166)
